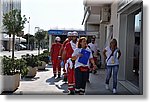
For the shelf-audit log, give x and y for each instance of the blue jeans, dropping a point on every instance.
(115, 74)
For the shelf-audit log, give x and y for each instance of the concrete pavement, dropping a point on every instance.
(44, 83)
(97, 85)
(18, 54)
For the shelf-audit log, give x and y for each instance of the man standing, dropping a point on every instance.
(68, 51)
(62, 51)
(55, 49)
(93, 47)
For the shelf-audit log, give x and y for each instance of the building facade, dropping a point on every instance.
(6, 6)
(122, 20)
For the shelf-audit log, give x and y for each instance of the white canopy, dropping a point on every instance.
(5, 37)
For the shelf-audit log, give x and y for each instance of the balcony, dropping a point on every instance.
(97, 11)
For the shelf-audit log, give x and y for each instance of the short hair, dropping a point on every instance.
(80, 40)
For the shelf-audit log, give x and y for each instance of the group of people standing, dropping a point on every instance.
(78, 58)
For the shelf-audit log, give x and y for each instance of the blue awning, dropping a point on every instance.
(64, 32)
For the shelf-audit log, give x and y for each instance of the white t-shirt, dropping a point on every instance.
(93, 47)
(113, 60)
(73, 45)
(76, 52)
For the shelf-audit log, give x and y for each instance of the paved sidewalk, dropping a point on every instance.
(97, 85)
(44, 83)
(18, 54)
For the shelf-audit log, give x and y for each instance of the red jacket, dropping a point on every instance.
(63, 46)
(69, 51)
(55, 49)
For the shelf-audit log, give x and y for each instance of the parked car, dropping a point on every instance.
(21, 47)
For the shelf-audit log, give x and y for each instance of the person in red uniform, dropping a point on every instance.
(55, 49)
(62, 51)
(68, 50)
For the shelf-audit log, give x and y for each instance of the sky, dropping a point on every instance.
(48, 14)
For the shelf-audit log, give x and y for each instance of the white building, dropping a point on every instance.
(120, 19)
(5, 7)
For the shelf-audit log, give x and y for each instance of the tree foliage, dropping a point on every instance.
(13, 24)
(40, 35)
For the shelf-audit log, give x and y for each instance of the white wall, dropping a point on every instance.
(1, 15)
(91, 27)
(114, 20)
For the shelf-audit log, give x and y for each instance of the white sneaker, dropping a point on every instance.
(106, 86)
(114, 91)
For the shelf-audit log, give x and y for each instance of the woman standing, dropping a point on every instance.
(82, 56)
(111, 55)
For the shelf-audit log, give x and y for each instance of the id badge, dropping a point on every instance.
(112, 60)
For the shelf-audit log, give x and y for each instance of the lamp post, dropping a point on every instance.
(28, 33)
(36, 30)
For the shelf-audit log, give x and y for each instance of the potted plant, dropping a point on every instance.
(44, 56)
(41, 65)
(32, 63)
(22, 65)
(43, 59)
(10, 74)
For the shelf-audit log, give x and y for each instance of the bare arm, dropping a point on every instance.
(75, 57)
(104, 54)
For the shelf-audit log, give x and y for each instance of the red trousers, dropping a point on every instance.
(71, 79)
(56, 66)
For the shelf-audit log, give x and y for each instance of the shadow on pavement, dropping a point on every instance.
(30, 79)
(49, 66)
(53, 81)
(63, 87)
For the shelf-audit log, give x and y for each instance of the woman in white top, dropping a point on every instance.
(81, 68)
(111, 55)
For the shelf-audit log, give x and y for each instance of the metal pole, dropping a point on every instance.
(38, 28)
(28, 33)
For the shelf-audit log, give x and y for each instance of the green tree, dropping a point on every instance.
(40, 35)
(31, 42)
(13, 23)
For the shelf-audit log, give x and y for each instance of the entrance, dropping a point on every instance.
(133, 47)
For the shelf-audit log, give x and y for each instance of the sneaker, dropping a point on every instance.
(72, 92)
(81, 93)
(114, 91)
(106, 86)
